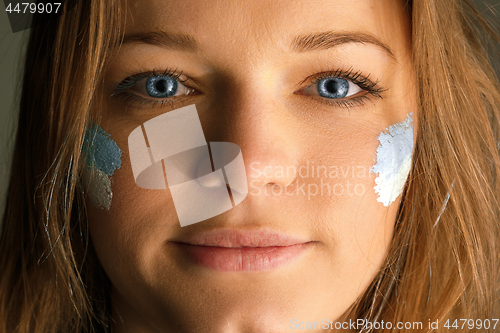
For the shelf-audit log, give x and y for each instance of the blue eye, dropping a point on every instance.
(333, 87)
(161, 86)
(153, 87)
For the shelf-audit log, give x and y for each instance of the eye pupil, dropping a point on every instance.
(161, 86)
(333, 88)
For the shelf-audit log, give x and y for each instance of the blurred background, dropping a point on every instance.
(11, 54)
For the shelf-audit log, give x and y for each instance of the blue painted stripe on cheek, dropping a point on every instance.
(101, 151)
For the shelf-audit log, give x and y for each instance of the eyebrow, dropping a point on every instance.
(303, 43)
(180, 42)
(330, 39)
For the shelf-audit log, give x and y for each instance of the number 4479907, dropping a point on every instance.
(472, 324)
(31, 7)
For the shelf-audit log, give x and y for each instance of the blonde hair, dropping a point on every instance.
(51, 280)
(443, 262)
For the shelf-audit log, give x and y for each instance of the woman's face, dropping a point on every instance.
(305, 89)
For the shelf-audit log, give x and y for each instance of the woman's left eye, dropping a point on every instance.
(342, 88)
(332, 88)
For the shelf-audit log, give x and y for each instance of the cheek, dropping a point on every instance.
(357, 176)
(102, 157)
(341, 203)
(123, 217)
(138, 219)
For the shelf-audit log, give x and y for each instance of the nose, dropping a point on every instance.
(265, 131)
(269, 158)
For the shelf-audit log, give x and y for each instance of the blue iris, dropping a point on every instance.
(333, 87)
(161, 86)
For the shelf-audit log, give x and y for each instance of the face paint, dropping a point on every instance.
(103, 157)
(393, 160)
(98, 187)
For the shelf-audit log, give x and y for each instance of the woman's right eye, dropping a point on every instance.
(150, 89)
(160, 86)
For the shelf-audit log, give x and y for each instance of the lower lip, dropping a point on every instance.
(229, 259)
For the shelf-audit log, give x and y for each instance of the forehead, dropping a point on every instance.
(264, 24)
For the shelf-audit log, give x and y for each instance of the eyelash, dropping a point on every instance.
(370, 87)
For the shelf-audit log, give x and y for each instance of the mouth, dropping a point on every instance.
(230, 250)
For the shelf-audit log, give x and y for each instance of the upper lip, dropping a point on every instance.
(235, 238)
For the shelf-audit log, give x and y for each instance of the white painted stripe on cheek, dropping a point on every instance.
(97, 184)
(393, 161)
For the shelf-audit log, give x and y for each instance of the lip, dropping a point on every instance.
(230, 250)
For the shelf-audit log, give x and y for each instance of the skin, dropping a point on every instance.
(252, 90)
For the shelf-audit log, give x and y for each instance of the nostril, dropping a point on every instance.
(272, 175)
